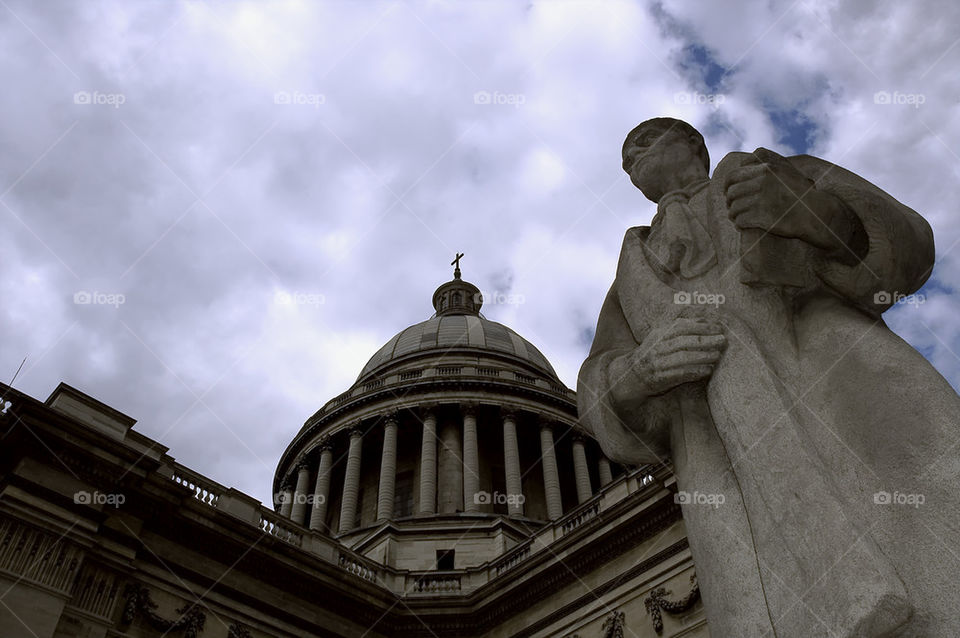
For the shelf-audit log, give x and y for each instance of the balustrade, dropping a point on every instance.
(435, 583)
(274, 525)
(204, 490)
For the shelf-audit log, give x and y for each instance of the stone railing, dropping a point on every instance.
(525, 378)
(418, 582)
(204, 490)
(434, 582)
(512, 558)
(579, 516)
(609, 495)
(362, 567)
(283, 528)
(372, 385)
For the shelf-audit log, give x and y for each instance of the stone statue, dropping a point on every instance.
(816, 453)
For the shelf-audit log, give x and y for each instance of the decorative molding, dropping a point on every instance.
(657, 602)
(330, 416)
(190, 620)
(85, 468)
(303, 463)
(595, 555)
(237, 630)
(547, 422)
(612, 626)
(390, 417)
(37, 556)
(355, 430)
(95, 590)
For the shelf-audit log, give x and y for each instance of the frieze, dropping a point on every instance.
(38, 556)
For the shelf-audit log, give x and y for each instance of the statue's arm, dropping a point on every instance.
(895, 251)
(631, 427)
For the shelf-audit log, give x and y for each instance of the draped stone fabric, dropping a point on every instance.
(815, 411)
(678, 244)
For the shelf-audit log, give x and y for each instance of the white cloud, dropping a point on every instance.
(363, 195)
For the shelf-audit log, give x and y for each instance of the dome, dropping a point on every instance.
(456, 331)
(445, 436)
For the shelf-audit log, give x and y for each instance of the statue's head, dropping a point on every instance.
(664, 154)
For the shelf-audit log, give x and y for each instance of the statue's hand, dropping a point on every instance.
(767, 193)
(683, 352)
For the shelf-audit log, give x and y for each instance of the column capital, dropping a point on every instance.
(578, 436)
(287, 483)
(546, 421)
(325, 443)
(355, 430)
(469, 408)
(392, 417)
(427, 409)
(509, 412)
(302, 463)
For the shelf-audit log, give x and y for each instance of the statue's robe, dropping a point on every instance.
(814, 409)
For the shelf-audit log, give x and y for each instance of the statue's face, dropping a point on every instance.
(659, 160)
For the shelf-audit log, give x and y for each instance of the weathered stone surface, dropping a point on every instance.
(742, 339)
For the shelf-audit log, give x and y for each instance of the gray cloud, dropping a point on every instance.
(204, 201)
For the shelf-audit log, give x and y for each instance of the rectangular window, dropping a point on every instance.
(445, 559)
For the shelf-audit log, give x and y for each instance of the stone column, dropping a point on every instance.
(298, 513)
(580, 471)
(428, 464)
(388, 469)
(321, 492)
(606, 476)
(286, 497)
(450, 469)
(551, 478)
(471, 460)
(351, 481)
(511, 464)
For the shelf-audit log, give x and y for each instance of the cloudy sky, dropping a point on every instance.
(251, 198)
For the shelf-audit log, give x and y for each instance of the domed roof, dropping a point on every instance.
(447, 332)
(457, 325)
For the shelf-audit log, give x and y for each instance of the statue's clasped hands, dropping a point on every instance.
(684, 351)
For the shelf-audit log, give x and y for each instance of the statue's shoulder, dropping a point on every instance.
(632, 249)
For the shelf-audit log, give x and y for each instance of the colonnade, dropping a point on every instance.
(449, 476)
